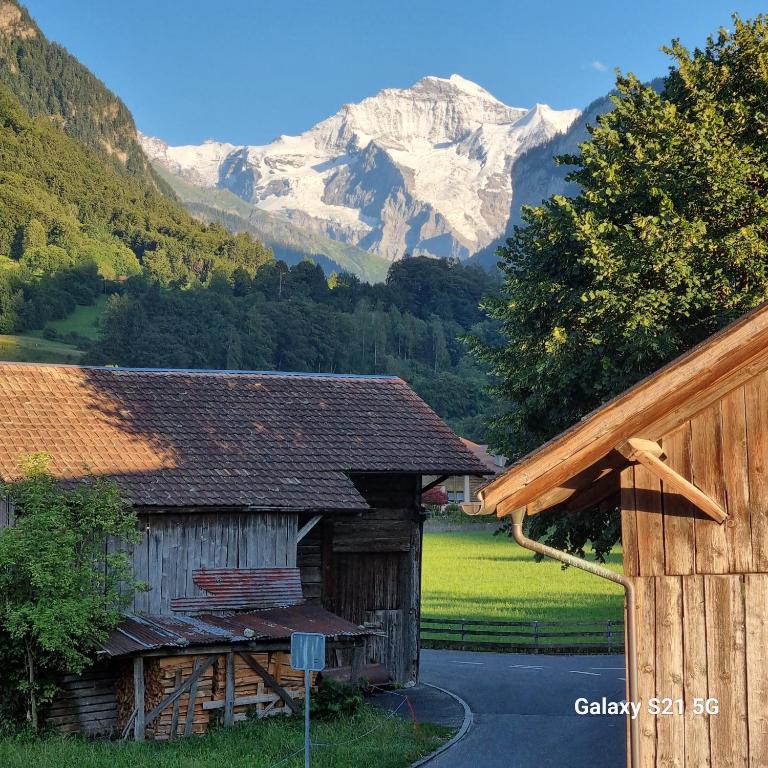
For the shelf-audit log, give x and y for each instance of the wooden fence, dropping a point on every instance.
(524, 636)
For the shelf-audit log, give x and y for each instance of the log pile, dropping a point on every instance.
(253, 695)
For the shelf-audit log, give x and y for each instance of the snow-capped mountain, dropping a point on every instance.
(426, 169)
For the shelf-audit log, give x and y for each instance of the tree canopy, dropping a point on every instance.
(665, 242)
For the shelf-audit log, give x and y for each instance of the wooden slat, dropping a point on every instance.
(176, 704)
(756, 404)
(724, 609)
(229, 689)
(736, 480)
(629, 523)
(755, 602)
(138, 698)
(697, 752)
(645, 593)
(707, 466)
(670, 729)
(650, 523)
(679, 533)
(191, 701)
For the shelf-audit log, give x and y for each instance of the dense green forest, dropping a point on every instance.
(296, 319)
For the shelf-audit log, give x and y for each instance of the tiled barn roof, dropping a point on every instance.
(220, 438)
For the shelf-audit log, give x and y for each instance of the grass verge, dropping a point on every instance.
(30, 349)
(476, 575)
(371, 737)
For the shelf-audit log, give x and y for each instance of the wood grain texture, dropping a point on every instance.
(756, 619)
(736, 479)
(670, 729)
(679, 532)
(650, 522)
(707, 466)
(645, 592)
(724, 610)
(629, 541)
(756, 403)
(695, 684)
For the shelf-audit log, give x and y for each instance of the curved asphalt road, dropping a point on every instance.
(523, 708)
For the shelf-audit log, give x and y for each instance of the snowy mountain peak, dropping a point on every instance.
(425, 169)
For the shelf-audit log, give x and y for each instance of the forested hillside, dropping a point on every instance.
(295, 319)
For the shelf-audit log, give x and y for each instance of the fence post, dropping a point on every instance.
(463, 635)
(536, 636)
(610, 635)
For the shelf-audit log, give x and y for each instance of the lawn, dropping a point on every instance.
(31, 349)
(83, 321)
(371, 737)
(476, 575)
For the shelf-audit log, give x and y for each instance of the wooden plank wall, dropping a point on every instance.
(86, 703)
(173, 546)
(724, 451)
(710, 639)
(371, 568)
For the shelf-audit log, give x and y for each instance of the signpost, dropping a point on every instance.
(307, 653)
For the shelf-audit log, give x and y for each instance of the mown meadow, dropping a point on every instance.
(472, 574)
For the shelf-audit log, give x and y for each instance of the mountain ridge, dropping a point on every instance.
(425, 169)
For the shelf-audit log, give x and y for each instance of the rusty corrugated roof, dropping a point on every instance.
(242, 588)
(141, 633)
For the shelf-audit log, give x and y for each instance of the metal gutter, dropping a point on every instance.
(631, 634)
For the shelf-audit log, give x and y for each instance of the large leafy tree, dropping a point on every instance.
(61, 593)
(666, 241)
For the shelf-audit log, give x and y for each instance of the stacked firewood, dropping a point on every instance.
(166, 676)
(162, 676)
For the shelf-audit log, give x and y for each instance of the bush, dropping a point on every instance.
(334, 699)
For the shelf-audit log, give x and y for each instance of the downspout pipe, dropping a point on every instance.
(629, 590)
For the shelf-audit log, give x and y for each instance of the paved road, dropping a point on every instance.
(523, 709)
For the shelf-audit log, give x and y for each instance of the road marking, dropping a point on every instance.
(524, 666)
(622, 678)
(613, 669)
(579, 672)
(478, 663)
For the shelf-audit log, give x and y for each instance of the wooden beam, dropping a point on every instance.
(191, 703)
(634, 445)
(229, 690)
(635, 449)
(139, 723)
(307, 527)
(599, 491)
(271, 681)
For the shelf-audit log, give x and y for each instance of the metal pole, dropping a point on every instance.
(306, 718)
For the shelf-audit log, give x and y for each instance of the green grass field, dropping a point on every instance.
(476, 575)
(394, 743)
(31, 349)
(83, 321)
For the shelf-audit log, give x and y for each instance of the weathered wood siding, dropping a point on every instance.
(86, 703)
(702, 588)
(367, 568)
(704, 637)
(173, 546)
(724, 451)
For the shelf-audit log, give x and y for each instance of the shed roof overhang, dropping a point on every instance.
(581, 466)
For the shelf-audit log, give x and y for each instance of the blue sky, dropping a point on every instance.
(247, 70)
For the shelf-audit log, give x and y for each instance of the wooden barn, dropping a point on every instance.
(684, 455)
(268, 503)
